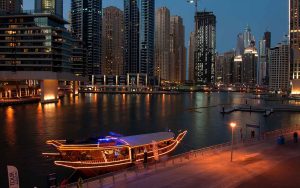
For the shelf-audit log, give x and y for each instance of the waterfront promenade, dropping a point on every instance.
(255, 164)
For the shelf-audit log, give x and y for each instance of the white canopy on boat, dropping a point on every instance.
(143, 139)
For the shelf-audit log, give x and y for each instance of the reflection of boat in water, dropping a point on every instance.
(114, 152)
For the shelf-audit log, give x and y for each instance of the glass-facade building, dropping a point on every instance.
(205, 48)
(34, 42)
(139, 17)
(86, 25)
(147, 37)
(131, 36)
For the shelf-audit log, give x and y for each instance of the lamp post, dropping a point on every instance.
(232, 125)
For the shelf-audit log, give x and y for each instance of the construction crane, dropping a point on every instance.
(196, 4)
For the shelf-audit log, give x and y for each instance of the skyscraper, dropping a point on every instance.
(49, 6)
(205, 47)
(12, 6)
(279, 68)
(86, 26)
(178, 50)
(225, 67)
(240, 44)
(228, 67)
(237, 69)
(191, 56)
(162, 43)
(147, 37)
(248, 37)
(262, 62)
(131, 36)
(139, 16)
(112, 41)
(267, 37)
(249, 66)
(294, 33)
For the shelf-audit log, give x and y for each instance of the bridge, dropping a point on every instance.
(48, 81)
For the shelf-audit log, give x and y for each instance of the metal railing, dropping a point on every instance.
(110, 179)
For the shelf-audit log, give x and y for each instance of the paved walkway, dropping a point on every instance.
(259, 165)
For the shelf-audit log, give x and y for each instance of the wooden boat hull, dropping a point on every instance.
(117, 164)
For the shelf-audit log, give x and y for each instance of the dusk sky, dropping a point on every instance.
(232, 17)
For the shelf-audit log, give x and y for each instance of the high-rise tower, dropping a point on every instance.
(86, 16)
(49, 6)
(191, 56)
(267, 37)
(131, 36)
(294, 33)
(178, 50)
(205, 48)
(147, 37)
(279, 68)
(248, 37)
(112, 41)
(162, 43)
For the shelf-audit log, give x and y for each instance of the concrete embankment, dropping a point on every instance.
(11, 102)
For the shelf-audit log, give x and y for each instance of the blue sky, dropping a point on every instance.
(232, 17)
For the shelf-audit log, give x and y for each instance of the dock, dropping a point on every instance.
(266, 110)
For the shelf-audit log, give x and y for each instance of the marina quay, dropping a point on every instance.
(262, 162)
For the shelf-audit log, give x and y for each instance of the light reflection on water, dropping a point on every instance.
(25, 129)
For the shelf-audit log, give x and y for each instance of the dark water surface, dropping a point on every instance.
(25, 129)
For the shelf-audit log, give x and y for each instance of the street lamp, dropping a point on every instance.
(232, 125)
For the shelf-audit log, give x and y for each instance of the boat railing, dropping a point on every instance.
(110, 179)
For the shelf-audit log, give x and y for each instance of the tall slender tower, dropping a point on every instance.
(205, 48)
(248, 37)
(86, 16)
(178, 50)
(191, 56)
(262, 62)
(49, 6)
(112, 41)
(147, 37)
(294, 33)
(267, 37)
(12, 6)
(249, 66)
(131, 36)
(162, 43)
(240, 44)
